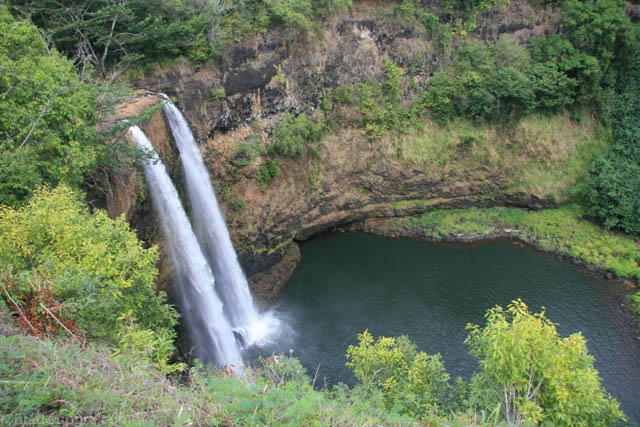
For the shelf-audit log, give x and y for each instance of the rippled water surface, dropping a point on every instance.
(347, 283)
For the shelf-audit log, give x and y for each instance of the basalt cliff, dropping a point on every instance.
(351, 181)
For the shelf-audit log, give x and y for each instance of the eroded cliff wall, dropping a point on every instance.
(351, 178)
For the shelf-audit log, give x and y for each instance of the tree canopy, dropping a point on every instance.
(47, 125)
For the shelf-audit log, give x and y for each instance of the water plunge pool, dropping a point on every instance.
(347, 283)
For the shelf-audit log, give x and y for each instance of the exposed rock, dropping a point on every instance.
(353, 181)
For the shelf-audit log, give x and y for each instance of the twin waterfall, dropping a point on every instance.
(213, 292)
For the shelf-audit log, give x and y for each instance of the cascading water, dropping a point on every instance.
(199, 303)
(231, 283)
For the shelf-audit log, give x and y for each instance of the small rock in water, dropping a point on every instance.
(241, 336)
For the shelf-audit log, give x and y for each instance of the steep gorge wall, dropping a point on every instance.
(352, 179)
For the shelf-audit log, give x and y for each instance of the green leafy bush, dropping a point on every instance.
(379, 103)
(596, 27)
(611, 189)
(612, 192)
(296, 135)
(269, 171)
(485, 80)
(412, 382)
(65, 383)
(534, 375)
(94, 267)
(553, 90)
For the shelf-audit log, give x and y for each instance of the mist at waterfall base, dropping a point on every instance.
(347, 283)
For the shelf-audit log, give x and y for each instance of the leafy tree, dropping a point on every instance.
(534, 375)
(392, 84)
(93, 266)
(513, 92)
(109, 35)
(485, 80)
(553, 90)
(412, 382)
(611, 188)
(47, 125)
(612, 192)
(582, 70)
(596, 27)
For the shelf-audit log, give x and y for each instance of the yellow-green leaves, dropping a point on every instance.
(535, 375)
(96, 267)
(412, 382)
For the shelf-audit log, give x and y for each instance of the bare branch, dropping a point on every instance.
(42, 114)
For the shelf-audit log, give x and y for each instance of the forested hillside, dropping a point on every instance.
(311, 114)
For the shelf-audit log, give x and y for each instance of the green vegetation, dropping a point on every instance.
(612, 187)
(68, 271)
(412, 382)
(534, 376)
(296, 135)
(58, 381)
(542, 155)
(65, 382)
(109, 36)
(562, 230)
(269, 170)
(248, 149)
(528, 375)
(379, 103)
(47, 125)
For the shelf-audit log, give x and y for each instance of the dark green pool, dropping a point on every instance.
(347, 283)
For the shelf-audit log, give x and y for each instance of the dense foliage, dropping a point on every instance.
(533, 375)
(528, 374)
(110, 35)
(296, 135)
(47, 125)
(411, 381)
(91, 269)
(398, 385)
(612, 187)
(67, 384)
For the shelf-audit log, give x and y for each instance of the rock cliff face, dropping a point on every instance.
(351, 179)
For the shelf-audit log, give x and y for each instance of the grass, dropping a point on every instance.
(56, 382)
(561, 230)
(541, 155)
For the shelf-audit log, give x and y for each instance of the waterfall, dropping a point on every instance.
(212, 233)
(200, 306)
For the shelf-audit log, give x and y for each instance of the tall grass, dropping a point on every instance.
(541, 155)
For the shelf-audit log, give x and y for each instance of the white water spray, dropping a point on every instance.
(212, 233)
(198, 301)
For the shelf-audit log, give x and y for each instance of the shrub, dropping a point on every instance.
(92, 266)
(535, 376)
(611, 191)
(412, 382)
(269, 171)
(294, 136)
(553, 90)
